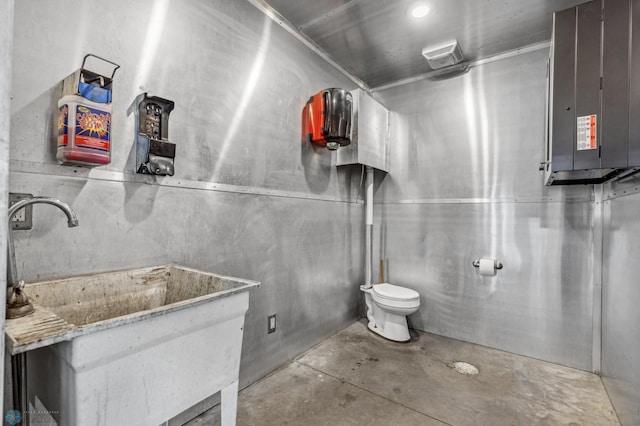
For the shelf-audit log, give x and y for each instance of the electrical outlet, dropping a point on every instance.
(23, 219)
(271, 323)
(19, 216)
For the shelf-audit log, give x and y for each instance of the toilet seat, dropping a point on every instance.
(395, 296)
(394, 292)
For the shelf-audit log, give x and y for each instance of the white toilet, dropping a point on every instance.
(387, 308)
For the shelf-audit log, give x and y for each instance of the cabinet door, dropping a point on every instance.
(563, 91)
(615, 84)
(634, 89)
(587, 81)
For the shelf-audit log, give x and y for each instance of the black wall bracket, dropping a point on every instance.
(154, 153)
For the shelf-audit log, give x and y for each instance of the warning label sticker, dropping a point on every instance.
(587, 131)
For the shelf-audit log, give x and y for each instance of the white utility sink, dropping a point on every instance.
(132, 347)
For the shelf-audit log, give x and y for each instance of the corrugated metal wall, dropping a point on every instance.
(464, 184)
(6, 47)
(621, 299)
(248, 199)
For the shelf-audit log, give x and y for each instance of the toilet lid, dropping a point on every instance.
(394, 292)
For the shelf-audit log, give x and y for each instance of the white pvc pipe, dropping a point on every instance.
(369, 196)
(369, 227)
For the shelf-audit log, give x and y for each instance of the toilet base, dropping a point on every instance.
(393, 328)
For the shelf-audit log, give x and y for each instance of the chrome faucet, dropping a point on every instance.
(18, 304)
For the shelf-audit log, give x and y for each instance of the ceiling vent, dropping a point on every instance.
(444, 55)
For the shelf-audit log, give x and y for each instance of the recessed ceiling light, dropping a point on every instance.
(420, 11)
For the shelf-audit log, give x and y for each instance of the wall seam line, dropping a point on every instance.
(123, 177)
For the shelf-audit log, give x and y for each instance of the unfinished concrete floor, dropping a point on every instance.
(359, 378)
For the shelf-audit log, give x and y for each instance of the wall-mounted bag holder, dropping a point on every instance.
(84, 116)
(154, 152)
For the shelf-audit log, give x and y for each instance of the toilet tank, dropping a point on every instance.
(370, 135)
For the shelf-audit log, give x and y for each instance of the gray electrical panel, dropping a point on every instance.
(369, 134)
(591, 135)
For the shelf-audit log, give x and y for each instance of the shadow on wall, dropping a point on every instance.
(53, 126)
(38, 121)
(138, 205)
(316, 161)
(36, 126)
(351, 182)
(139, 200)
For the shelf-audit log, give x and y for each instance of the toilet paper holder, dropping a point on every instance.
(496, 264)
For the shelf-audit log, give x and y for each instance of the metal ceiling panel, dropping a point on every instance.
(377, 40)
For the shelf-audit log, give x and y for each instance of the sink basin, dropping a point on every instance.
(142, 344)
(69, 307)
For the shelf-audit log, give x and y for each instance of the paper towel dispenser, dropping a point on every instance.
(326, 118)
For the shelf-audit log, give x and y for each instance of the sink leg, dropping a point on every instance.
(229, 404)
(19, 378)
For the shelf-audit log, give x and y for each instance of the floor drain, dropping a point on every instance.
(465, 368)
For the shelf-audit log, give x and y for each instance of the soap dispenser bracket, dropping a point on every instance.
(154, 153)
(91, 85)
